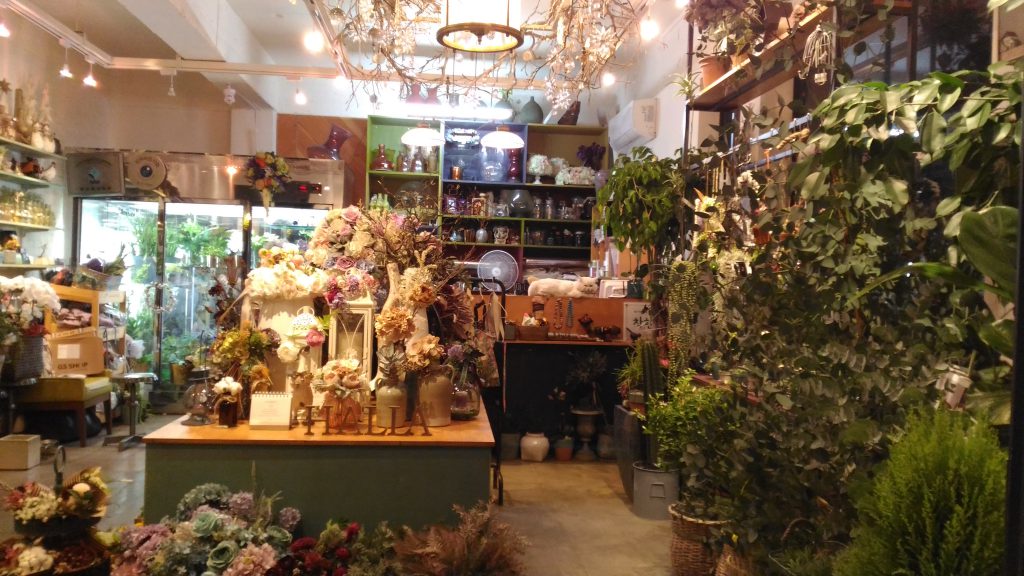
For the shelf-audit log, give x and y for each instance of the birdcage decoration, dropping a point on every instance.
(819, 55)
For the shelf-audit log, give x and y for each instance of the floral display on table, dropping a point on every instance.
(19, 558)
(331, 237)
(351, 283)
(228, 402)
(215, 532)
(344, 387)
(240, 354)
(23, 302)
(80, 502)
(284, 274)
(268, 174)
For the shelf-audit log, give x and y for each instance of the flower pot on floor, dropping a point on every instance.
(534, 447)
(563, 449)
(690, 552)
(653, 490)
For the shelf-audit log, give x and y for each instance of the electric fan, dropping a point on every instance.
(497, 265)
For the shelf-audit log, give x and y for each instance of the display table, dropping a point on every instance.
(411, 480)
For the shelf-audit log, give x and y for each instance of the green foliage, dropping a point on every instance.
(584, 377)
(937, 508)
(692, 428)
(630, 375)
(145, 232)
(639, 202)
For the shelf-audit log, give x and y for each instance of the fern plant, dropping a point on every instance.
(937, 507)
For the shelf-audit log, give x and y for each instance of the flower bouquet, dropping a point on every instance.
(284, 274)
(333, 234)
(24, 559)
(539, 165)
(228, 401)
(344, 385)
(267, 173)
(215, 532)
(39, 510)
(23, 304)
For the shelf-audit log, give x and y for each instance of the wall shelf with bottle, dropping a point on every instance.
(29, 150)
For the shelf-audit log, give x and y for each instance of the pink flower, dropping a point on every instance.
(350, 213)
(314, 338)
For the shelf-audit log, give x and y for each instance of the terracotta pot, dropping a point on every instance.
(711, 69)
(563, 449)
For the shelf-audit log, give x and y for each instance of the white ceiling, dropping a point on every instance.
(110, 26)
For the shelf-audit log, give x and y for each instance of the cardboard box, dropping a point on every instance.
(76, 352)
(19, 451)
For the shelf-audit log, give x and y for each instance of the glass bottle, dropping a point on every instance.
(381, 162)
(466, 400)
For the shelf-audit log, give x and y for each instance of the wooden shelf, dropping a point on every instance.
(403, 175)
(512, 219)
(742, 83)
(85, 295)
(26, 266)
(589, 187)
(564, 129)
(26, 182)
(619, 343)
(546, 247)
(24, 225)
(489, 244)
(31, 150)
(505, 183)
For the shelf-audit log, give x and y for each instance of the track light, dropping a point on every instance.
(607, 79)
(90, 80)
(5, 32)
(300, 97)
(170, 91)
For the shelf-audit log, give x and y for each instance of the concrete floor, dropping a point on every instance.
(574, 514)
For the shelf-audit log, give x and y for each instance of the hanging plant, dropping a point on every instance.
(267, 173)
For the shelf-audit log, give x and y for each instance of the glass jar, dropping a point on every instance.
(466, 400)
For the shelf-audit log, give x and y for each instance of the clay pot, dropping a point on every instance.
(711, 69)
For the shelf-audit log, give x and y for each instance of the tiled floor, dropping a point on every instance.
(574, 514)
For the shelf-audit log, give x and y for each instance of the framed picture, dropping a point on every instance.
(1007, 34)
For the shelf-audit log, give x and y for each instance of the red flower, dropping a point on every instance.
(342, 553)
(352, 531)
(260, 162)
(340, 571)
(306, 543)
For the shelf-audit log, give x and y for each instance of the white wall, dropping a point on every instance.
(129, 109)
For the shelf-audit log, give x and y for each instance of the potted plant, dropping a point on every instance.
(692, 426)
(584, 379)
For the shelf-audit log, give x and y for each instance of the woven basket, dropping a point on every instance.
(24, 360)
(730, 563)
(532, 332)
(90, 279)
(690, 553)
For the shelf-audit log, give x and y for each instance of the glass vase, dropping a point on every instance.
(466, 400)
(227, 413)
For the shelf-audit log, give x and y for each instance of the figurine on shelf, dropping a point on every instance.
(24, 111)
(30, 167)
(50, 173)
(49, 141)
(36, 140)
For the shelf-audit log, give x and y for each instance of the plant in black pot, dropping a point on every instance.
(584, 380)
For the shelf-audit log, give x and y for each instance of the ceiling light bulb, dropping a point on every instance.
(339, 81)
(170, 91)
(607, 79)
(300, 97)
(313, 41)
(65, 72)
(680, 4)
(89, 80)
(232, 170)
(649, 29)
(5, 32)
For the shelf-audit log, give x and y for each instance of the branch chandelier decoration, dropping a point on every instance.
(564, 50)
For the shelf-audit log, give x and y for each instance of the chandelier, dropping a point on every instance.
(467, 46)
(478, 26)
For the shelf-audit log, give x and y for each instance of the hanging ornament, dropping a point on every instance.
(819, 55)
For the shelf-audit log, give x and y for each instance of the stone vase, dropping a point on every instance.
(388, 396)
(435, 395)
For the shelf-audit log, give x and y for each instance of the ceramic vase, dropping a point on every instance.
(388, 397)
(435, 396)
(530, 113)
(227, 413)
(381, 162)
(534, 447)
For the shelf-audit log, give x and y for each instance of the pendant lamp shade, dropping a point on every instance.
(502, 138)
(481, 25)
(422, 135)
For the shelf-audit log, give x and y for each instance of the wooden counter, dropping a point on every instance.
(412, 480)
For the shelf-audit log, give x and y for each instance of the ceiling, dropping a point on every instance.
(255, 45)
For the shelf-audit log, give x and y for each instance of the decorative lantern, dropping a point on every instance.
(478, 26)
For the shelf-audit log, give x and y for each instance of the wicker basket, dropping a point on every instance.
(730, 563)
(90, 279)
(532, 332)
(690, 553)
(24, 360)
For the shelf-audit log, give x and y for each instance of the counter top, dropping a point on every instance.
(461, 433)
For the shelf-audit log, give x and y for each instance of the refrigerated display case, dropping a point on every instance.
(180, 247)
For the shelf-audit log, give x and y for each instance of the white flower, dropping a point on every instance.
(81, 488)
(227, 385)
(34, 559)
(288, 351)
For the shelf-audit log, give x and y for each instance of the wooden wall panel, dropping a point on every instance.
(296, 133)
